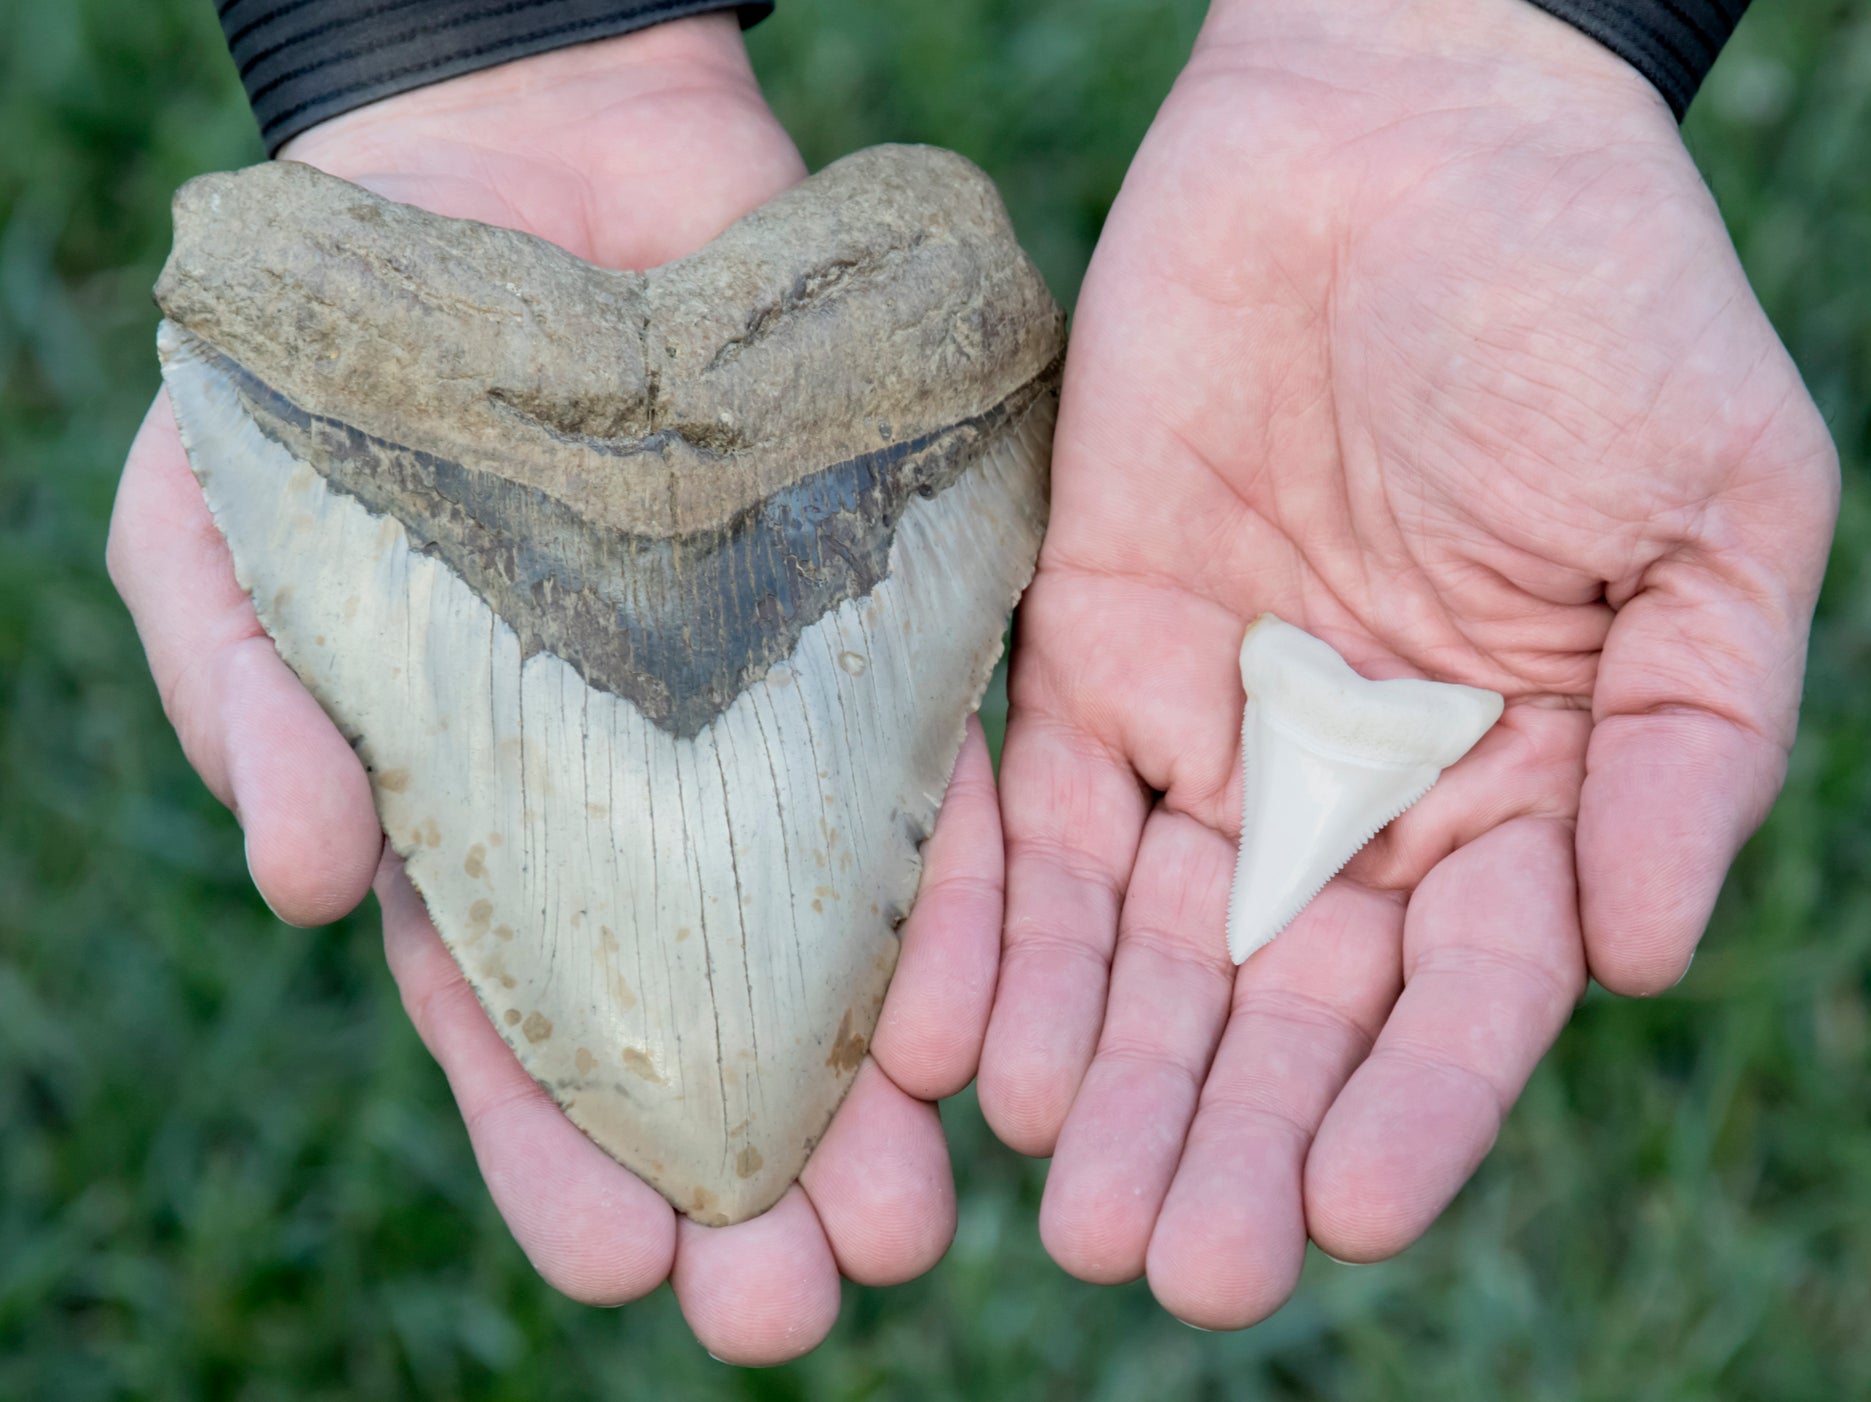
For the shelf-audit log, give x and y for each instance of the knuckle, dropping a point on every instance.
(1556, 982)
(1305, 1017)
(436, 1003)
(1440, 1066)
(1153, 1059)
(1206, 962)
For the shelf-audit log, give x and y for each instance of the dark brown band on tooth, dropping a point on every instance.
(680, 626)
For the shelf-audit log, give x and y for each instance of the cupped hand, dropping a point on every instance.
(1413, 324)
(628, 152)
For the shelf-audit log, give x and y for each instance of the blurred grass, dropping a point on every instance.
(228, 1170)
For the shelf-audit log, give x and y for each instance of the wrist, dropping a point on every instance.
(538, 101)
(1507, 55)
(629, 151)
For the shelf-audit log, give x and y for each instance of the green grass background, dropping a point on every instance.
(228, 1170)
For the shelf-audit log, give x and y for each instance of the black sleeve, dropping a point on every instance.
(1673, 43)
(305, 60)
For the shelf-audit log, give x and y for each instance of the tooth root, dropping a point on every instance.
(1329, 759)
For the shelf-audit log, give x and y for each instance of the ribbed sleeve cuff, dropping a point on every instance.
(1673, 43)
(303, 61)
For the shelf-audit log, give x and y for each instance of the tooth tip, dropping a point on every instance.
(1243, 943)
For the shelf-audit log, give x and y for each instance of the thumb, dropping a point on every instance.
(1694, 712)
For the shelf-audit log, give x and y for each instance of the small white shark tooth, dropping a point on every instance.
(1329, 758)
(654, 603)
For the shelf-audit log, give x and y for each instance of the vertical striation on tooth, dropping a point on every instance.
(653, 602)
(1329, 758)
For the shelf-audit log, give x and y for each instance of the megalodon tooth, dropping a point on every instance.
(1329, 758)
(654, 603)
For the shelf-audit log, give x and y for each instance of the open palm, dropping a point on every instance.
(1439, 350)
(629, 152)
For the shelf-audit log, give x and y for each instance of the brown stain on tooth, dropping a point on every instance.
(847, 1048)
(637, 1062)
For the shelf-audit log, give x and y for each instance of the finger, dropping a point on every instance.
(1231, 1237)
(1696, 702)
(929, 1036)
(880, 1183)
(591, 1228)
(1669, 801)
(1697, 696)
(762, 1291)
(1073, 813)
(248, 726)
(1170, 984)
(1492, 968)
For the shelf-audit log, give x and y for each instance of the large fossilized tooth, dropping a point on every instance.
(1329, 758)
(654, 603)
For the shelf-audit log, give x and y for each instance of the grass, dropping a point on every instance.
(228, 1169)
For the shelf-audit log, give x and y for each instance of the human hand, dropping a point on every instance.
(629, 152)
(1413, 324)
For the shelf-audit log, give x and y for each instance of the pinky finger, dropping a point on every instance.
(595, 1231)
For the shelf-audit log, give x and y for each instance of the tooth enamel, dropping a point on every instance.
(1329, 758)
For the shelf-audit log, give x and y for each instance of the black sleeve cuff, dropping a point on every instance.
(305, 60)
(1673, 43)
